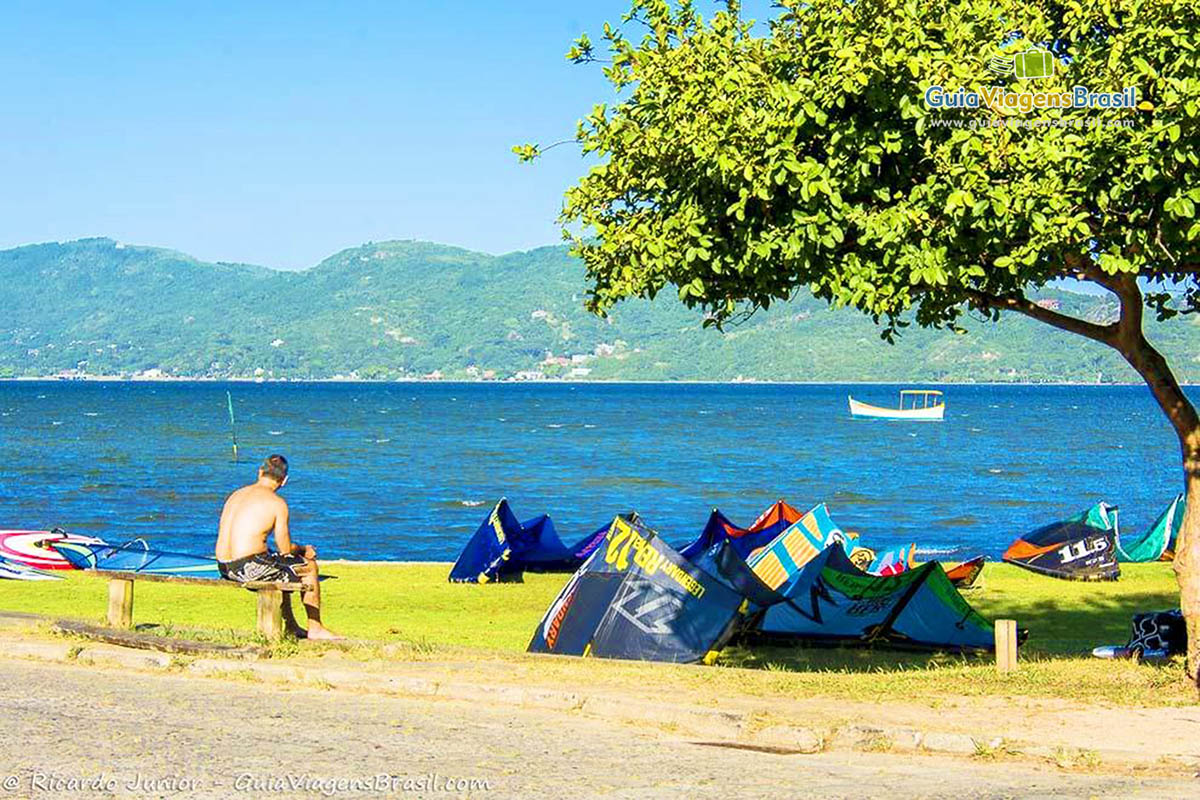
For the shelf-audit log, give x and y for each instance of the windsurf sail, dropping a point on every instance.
(503, 548)
(637, 598)
(136, 556)
(831, 600)
(1158, 541)
(10, 570)
(33, 548)
(769, 524)
(1083, 547)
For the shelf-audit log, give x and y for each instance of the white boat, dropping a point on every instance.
(925, 405)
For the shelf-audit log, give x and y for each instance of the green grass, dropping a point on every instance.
(414, 607)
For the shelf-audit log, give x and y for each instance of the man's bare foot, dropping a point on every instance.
(317, 631)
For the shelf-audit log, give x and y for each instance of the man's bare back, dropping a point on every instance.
(250, 515)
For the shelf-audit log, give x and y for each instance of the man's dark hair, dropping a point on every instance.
(275, 467)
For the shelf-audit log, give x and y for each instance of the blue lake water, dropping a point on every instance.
(407, 471)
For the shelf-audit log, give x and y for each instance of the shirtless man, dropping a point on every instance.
(250, 514)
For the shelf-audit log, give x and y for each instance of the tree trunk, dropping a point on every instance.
(1187, 554)
(1157, 373)
(1127, 338)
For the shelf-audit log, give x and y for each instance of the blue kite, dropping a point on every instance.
(504, 548)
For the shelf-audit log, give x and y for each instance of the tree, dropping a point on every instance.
(741, 167)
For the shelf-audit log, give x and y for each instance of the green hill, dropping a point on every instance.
(406, 309)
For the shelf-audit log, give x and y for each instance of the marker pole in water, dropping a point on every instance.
(232, 425)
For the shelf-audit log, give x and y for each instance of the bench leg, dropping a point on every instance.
(120, 604)
(270, 613)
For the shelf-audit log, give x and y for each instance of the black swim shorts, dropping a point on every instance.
(262, 567)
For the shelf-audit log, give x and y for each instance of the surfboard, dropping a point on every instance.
(17, 572)
(33, 548)
(136, 556)
(1112, 651)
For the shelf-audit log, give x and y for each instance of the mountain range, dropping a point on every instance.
(409, 309)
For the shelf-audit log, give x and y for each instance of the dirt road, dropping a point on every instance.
(79, 731)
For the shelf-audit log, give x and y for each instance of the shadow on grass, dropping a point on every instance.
(1076, 625)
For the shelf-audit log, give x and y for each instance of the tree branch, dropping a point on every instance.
(1105, 334)
(1132, 344)
(1127, 338)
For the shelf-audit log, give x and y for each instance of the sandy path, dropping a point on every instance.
(63, 725)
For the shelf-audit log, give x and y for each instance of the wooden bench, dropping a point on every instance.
(269, 595)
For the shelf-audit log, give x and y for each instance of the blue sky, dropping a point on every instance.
(279, 133)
